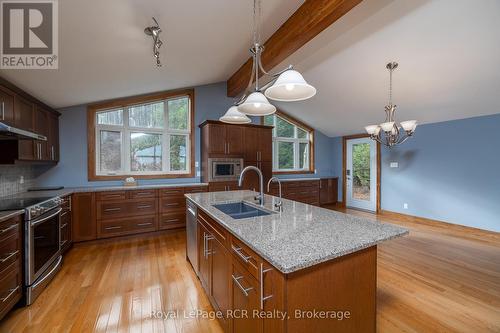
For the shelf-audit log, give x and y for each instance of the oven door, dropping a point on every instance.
(43, 241)
(223, 170)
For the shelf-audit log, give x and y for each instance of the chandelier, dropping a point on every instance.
(287, 85)
(154, 31)
(389, 133)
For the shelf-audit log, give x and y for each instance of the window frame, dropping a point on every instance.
(296, 141)
(93, 136)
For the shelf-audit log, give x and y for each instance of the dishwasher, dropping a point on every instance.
(191, 232)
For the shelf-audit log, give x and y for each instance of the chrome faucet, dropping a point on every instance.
(279, 204)
(261, 182)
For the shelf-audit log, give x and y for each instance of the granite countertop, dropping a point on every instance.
(70, 190)
(302, 235)
(10, 213)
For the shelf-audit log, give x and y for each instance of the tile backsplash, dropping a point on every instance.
(10, 179)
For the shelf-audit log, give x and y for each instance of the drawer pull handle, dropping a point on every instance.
(113, 228)
(172, 204)
(64, 242)
(8, 228)
(243, 289)
(240, 254)
(10, 255)
(143, 193)
(64, 213)
(112, 209)
(144, 224)
(111, 195)
(143, 206)
(64, 225)
(12, 292)
(172, 220)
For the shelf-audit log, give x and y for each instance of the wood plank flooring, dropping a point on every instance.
(429, 281)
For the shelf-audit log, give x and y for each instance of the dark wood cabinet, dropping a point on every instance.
(83, 217)
(66, 224)
(224, 140)
(7, 106)
(10, 263)
(305, 191)
(53, 138)
(204, 259)
(24, 113)
(258, 144)
(223, 186)
(328, 191)
(246, 297)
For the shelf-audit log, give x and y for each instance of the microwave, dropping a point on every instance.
(224, 169)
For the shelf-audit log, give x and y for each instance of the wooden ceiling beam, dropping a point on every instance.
(308, 21)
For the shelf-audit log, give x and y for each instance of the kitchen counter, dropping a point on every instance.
(70, 190)
(9, 214)
(299, 237)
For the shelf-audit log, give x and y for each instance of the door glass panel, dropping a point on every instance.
(145, 152)
(285, 155)
(361, 171)
(110, 151)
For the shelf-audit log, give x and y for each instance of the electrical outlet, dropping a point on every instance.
(405, 206)
(198, 173)
(21, 179)
(196, 164)
(394, 164)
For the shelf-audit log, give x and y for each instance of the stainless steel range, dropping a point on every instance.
(42, 241)
(42, 245)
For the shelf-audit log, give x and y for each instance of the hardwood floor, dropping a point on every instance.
(429, 281)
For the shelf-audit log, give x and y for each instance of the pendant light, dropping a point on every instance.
(389, 132)
(233, 116)
(287, 85)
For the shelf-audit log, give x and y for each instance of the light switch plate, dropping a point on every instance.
(196, 164)
(198, 173)
(405, 206)
(394, 164)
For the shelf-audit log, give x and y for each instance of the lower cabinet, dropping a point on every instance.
(223, 186)
(83, 217)
(66, 224)
(246, 298)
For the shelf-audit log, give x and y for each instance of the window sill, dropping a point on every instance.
(297, 172)
(154, 176)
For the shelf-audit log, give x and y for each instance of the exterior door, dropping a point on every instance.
(361, 174)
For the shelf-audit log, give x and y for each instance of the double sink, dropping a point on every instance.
(241, 210)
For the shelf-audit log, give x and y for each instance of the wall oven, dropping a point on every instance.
(42, 248)
(224, 169)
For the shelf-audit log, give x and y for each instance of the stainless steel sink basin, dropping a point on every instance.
(241, 210)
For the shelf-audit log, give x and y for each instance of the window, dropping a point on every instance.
(146, 137)
(292, 142)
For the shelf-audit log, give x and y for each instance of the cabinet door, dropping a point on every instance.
(217, 139)
(221, 283)
(234, 140)
(28, 150)
(265, 145)
(24, 113)
(53, 137)
(246, 297)
(83, 217)
(6, 106)
(42, 127)
(251, 135)
(324, 192)
(204, 258)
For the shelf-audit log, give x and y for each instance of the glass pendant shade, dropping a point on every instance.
(371, 129)
(387, 127)
(256, 104)
(409, 125)
(290, 87)
(233, 116)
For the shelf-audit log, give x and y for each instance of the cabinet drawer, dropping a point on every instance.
(65, 235)
(110, 210)
(142, 224)
(66, 203)
(111, 195)
(65, 216)
(172, 220)
(195, 189)
(169, 204)
(9, 227)
(10, 287)
(140, 194)
(245, 256)
(10, 249)
(172, 191)
(112, 228)
(142, 207)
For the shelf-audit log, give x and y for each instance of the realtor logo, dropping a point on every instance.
(29, 38)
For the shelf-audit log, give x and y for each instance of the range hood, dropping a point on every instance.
(7, 131)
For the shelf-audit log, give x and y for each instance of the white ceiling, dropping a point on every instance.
(449, 64)
(104, 53)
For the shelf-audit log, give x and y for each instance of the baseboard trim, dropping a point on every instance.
(461, 230)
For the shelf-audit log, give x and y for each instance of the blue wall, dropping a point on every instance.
(449, 171)
(210, 103)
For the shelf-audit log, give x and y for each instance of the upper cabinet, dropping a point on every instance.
(18, 109)
(224, 140)
(258, 144)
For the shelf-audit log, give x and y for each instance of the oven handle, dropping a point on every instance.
(37, 222)
(49, 274)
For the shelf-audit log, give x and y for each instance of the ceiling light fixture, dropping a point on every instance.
(233, 116)
(389, 132)
(154, 31)
(287, 85)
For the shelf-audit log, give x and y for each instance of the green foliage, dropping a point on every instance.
(284, 129)
(178, 113)
(361, 164)
(285, 158)
(177, 152)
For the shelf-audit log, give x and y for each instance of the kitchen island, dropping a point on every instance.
(305, 269)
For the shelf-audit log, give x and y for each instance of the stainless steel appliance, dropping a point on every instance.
(191, 231)
(224, 169)
(16, 133)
